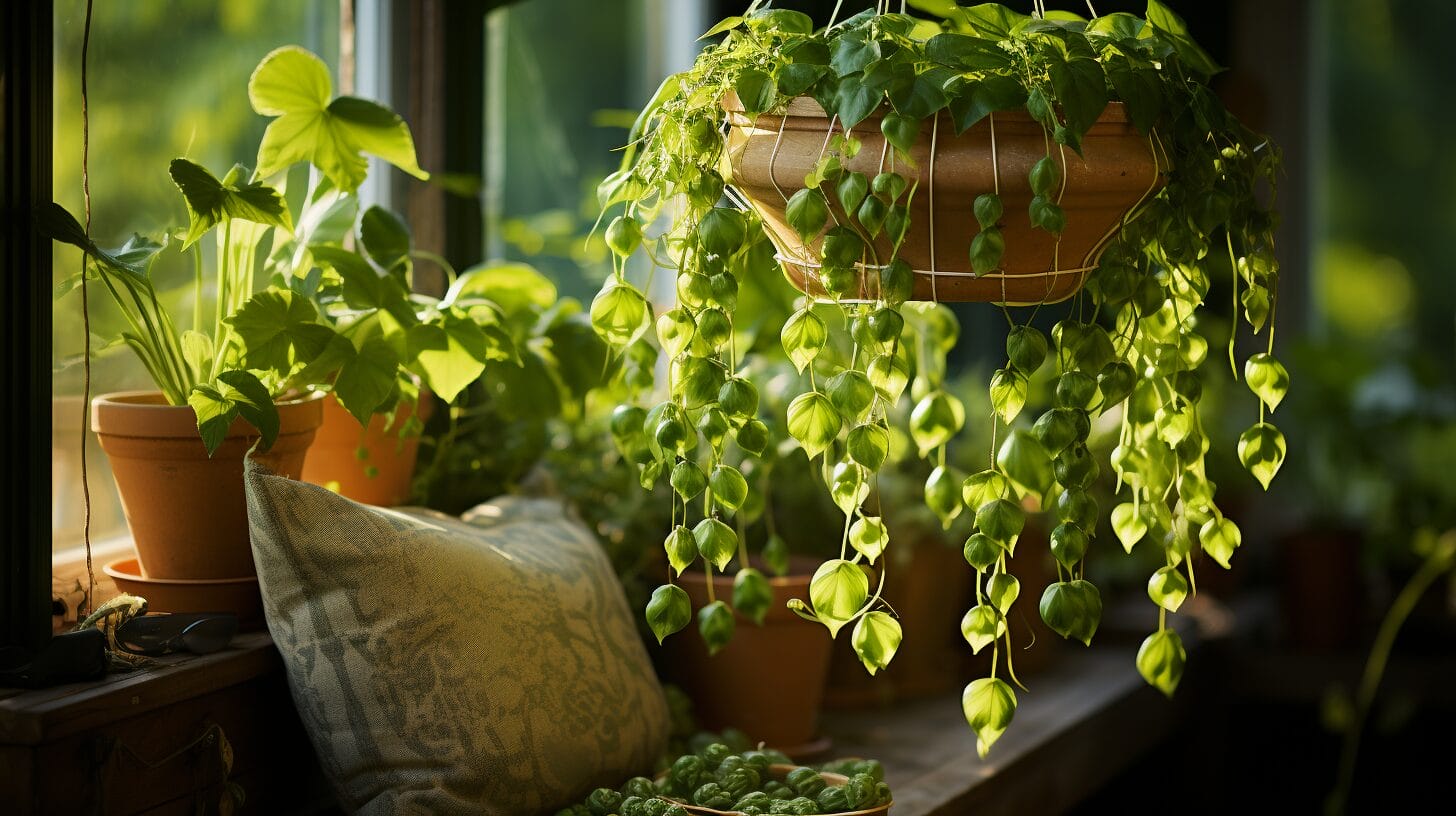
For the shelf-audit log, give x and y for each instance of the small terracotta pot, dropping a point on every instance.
(383, 472)
(769, 680)
(236, 595)
(1118, 169)
(187, 512)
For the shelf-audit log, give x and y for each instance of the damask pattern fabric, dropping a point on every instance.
(443, 666)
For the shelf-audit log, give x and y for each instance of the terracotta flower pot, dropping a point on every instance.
(1118, 169)
(382, 474)
(769, 680)
(187, 512)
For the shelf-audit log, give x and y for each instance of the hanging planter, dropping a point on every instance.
(1119, 168)
(886, 163)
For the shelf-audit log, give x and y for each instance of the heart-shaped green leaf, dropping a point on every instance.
(1008, 393)
(729, 487)
(900, 131)
(1069, 544)
(982, 552)
(1219, 538)
(985, 486)
(981, 626)
(716, 625)
(1267, 378)
(1025, 462)
(803, 336)
(688, 479)
(1003, 589)
(1168, 588)
(849, 486)
(989, 704)
(716, 541)
(889, 375)
(1160, 660)
(852, 394)
(807, 212)
(752, 595)
(838, 591)
(668, 611)
(943, 494)
(869, 537)
(876, 638)
(936, 419)
(681, 548)
(1128, 524)
(814, 422)
(868, 445)
(1002, 520)
(620, 314)
(1261, 450)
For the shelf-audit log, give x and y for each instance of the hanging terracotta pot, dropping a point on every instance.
(1119, 168)
(372, 464)
(769, 680)
(186, 510)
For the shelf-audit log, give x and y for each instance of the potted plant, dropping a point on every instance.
(886, 209)
(251, 370)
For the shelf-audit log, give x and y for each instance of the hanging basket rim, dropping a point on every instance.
(807, 106)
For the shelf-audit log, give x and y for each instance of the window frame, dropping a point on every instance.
(25, 560)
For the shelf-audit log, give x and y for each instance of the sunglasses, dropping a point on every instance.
(195, 632)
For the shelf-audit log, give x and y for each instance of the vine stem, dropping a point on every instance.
(1441, 560)
(86, 314)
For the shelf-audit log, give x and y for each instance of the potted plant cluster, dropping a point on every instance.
(291, 319)
(988, 155)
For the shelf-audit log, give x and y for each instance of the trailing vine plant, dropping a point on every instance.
(1129, 347)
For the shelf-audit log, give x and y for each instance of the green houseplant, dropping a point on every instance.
(252, 367)
(1053, 106)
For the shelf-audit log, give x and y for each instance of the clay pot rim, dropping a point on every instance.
(780, 770)
(148, 415)
(794, 579)
(130, 569)
(807, 106)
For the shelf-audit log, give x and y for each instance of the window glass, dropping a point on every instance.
(166, 78)
(565, 79)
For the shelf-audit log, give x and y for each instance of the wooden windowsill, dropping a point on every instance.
(32, 717)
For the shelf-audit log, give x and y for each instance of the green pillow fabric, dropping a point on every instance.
(440, 666)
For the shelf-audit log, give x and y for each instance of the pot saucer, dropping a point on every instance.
(237, 595)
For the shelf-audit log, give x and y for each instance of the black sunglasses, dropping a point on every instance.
(196, 632)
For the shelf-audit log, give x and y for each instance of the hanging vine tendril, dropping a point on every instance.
(86, 315)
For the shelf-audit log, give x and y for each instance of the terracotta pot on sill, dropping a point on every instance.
(187, 511)
(1118, 170)
(769, 680)
(371, 464)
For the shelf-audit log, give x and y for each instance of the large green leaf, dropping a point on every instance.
(279, 329)
(876, 638)
(235, 394)
(449, 354)
(385, 237)
(518, 289)
(838, 591)
(1162, 21)
(367, 379)
(294, 86)
(210, 202)
(972, 101)
(1081, 88)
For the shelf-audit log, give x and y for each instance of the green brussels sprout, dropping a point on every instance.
(859, 791)
(604, 802)
(757, 799)
(639, 786)
(778, 790)
(655, 807)
(731, 764)
(714, 754)
(799, 805)
(674, 810)
(833, 800)
(739, 782)
(712, 795)
(633, 806)
(759, 761)
(882, 794)
(805, 781)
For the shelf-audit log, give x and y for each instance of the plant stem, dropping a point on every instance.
(1441, 560)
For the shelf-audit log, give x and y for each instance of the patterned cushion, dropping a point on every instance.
(441, 666)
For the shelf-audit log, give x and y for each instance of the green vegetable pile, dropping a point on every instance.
(718, 778)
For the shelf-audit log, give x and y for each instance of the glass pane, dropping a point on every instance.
(167, 78)
(564, 82)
